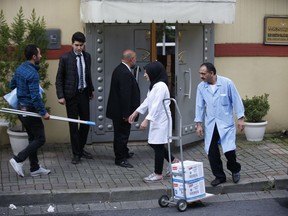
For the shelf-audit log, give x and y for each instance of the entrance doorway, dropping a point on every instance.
(184, 48)
(193, 45)
(106, 44)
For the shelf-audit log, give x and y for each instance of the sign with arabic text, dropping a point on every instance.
(276, 30)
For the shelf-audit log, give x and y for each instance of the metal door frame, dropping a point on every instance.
(97, 46)
(187, 75)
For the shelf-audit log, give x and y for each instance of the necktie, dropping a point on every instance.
(81, 72)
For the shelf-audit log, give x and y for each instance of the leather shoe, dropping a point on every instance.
(124, 163)
(217, 181)
(87, 155)
(130, 154)
(76, 159)
(236, 177)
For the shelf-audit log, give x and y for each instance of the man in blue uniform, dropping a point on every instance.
(216, 99)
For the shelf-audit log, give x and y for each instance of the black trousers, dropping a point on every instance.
(215, 158)
(78, 107)
(36, 137)
(121, 137)
(160, 152)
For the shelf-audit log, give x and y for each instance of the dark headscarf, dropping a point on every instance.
(156, 72)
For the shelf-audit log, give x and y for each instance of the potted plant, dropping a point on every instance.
(256, 108)
(13, 40)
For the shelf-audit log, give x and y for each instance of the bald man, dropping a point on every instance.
(124, 98)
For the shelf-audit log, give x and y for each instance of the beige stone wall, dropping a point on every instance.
(249, 21)
(256, 75)
(62, 14)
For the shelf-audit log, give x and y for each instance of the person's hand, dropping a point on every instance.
(199, 130)
(62, 101)
(132, 117)
(241, 124)
(144, 124)
(46, 116)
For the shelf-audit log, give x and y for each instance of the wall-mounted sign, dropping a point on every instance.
(276, 30)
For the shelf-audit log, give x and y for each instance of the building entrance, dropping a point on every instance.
(193, 45)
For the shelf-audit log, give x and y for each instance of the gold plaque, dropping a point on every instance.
(276, 30)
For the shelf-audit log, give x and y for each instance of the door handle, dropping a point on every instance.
(137, 73)
(190, 83)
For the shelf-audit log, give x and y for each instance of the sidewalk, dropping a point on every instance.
(264, 167)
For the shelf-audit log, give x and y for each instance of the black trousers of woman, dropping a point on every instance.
(215, 158)
(161, 152)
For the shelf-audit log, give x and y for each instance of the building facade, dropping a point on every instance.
(235, 45)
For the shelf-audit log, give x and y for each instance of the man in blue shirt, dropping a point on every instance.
(26, 80)
(216, 99)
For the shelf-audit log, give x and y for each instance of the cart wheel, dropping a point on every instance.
(181, 205)
(163, 201)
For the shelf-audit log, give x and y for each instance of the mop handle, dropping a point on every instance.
(21, 112)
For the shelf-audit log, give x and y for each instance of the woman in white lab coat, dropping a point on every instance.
(158, 130)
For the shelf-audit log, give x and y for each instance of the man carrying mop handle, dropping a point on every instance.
(26, 80)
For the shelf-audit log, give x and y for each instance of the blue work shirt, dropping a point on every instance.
(26, 80)
(217, 108)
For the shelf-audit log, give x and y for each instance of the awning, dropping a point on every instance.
(158, 11)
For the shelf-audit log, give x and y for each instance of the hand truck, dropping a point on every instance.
(164, 200)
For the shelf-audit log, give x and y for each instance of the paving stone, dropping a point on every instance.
(145, 204)
(259, 161)
(32, 210)
(18, 211)
(129, 205)
(65, 208)
(97, 206)
(81, 207)
(250, 196)
(3, 211)
(279, 193)
(264, 194)
(236, 196)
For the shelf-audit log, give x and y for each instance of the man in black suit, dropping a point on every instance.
(74, 89)
(124, 98)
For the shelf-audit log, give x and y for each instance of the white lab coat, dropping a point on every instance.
(158, 130)
(217, 108)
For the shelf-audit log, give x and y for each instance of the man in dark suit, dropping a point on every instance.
(124, 98)
(74, 89)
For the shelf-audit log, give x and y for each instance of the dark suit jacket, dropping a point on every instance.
(124, 95)
(67, 78)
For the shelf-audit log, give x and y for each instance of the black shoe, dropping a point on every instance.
(87, 155)
(130, 154)
(76, 159)
(217, 181)
(236, 177)
(124, 163)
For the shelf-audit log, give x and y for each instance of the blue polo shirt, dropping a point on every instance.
(26, 80)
